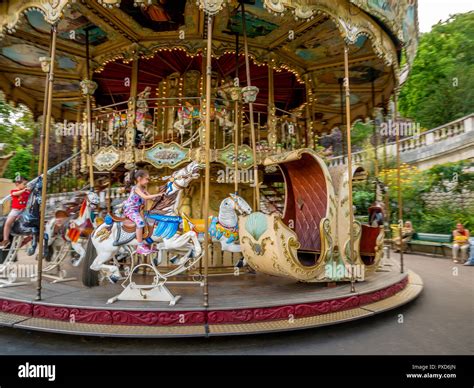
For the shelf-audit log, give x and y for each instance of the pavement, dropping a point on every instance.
(440, 321)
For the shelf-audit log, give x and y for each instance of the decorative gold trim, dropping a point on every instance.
(52, 11)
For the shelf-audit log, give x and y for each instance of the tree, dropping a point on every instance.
(440, 87)
(16, 132)
(20, 163)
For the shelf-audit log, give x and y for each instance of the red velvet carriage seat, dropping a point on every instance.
(368, 243)
(305, 205)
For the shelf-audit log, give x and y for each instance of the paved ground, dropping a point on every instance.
(440, 321)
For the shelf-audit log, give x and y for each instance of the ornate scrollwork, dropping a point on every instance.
(211, 7)
(51, 10)
(351, 26)
(88, 87)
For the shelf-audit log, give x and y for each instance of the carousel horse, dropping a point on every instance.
(72, 229)
(186, 115)
(225, 227)
(222, 111)
(143, 119)
(117, 232)
(27, 224)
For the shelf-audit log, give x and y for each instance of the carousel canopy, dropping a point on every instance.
(303, 41)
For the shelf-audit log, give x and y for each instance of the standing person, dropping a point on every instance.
(134, 203)
(461, 242)
(19, 196)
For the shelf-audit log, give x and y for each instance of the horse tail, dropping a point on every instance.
(187, 224)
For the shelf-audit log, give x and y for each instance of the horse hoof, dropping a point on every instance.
(174, 260)
(113, 279)
(240, 263)
(76, 262)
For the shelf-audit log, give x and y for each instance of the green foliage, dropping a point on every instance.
(440, 87)
(16, 126)
(444, 175)
(17, 129)
(360, 134)
(443, 220)
(20, 162)
(363, 196)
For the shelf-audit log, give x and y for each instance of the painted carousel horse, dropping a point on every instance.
(225, 227)
(27, 224)
(222, 111)
(71, 228)
(143, 119)
(162, 224)
(186, 115)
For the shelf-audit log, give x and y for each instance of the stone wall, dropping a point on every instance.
(437, 199)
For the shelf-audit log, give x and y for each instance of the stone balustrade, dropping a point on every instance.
(450, 142)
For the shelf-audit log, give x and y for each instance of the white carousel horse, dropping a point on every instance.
(225, 227)
(72, 229)
(186, 115)
(116, 232)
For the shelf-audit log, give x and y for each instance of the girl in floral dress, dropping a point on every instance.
(132, 205)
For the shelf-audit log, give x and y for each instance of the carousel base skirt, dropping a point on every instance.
(238, 305)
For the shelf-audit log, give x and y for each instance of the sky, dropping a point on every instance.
(431, 12)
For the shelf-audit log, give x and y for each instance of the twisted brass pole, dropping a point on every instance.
(349, 163)
(206, 140)
(47, 128)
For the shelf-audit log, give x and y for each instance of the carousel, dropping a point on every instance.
(224, 104)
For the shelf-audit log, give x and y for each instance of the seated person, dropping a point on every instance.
(19, 196)
(376, 217)
(461, 242)
(407, 234)
(471, 251)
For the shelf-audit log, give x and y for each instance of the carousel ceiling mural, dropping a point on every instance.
(303, 41)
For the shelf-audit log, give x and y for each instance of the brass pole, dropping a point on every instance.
(45, 159)
(349, 162)
(399, 180)
(75, 142)
(252, 125)
(89, 117)
(207, 176)
(308, 112)
(236, 147)
(236, 118)
(109, 194)
(43, 121)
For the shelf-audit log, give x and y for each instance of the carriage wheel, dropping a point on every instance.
(89, 278)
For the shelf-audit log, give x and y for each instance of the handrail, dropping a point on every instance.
(50, 171)
(408, 139)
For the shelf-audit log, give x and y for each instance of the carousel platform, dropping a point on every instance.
(244, 304)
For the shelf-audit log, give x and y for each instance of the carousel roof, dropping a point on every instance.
(302, 40)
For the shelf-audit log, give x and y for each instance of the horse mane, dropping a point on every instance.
(164, 201)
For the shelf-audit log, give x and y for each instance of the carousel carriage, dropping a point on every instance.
(311, 242)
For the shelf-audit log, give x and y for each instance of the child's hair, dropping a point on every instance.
(134, 175)
(20, 179)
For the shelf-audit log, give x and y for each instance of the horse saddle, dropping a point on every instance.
(128, 226)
